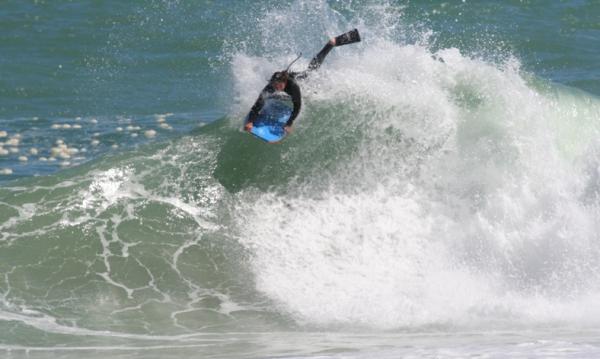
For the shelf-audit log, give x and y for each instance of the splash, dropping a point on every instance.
(422, 188)
(441, 189)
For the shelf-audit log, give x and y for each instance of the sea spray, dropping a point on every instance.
(428, 197)
(452, 203)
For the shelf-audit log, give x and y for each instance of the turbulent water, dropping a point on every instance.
(439, 196)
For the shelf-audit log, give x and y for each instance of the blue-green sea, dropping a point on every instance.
(438, 197)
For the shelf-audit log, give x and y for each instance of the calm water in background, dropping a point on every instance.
(438, 197)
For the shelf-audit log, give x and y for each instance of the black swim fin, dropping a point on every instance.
(348, 38)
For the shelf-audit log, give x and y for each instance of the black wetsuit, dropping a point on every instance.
(291, 87)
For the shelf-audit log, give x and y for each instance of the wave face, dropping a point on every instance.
(423, 189)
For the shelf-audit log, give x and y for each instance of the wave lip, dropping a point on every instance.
(443, 191)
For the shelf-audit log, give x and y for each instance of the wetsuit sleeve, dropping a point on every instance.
(258, 105)
(315, 63)
(293, 90)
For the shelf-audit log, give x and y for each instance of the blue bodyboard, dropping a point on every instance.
(275, 113)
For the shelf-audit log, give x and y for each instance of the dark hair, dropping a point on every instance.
(279, 76)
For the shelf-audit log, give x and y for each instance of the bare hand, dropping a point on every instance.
(248, 126)
(287, 129)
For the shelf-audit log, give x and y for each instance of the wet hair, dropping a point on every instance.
(279, 76)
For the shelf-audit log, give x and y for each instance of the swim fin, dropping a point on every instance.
(348, 38)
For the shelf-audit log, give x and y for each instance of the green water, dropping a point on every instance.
(438, 196)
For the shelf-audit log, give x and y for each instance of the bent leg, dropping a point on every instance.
(316, 62)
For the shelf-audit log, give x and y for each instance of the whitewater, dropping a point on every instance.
(430, 202)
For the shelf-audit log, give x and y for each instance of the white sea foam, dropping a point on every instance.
(107, 188)
(466, 203)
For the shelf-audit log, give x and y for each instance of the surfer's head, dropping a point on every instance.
(279, 80)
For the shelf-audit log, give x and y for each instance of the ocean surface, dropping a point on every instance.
(439, 196)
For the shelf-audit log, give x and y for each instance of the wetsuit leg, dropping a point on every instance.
(316, 62)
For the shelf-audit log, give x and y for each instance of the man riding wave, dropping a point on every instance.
(286, 81)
